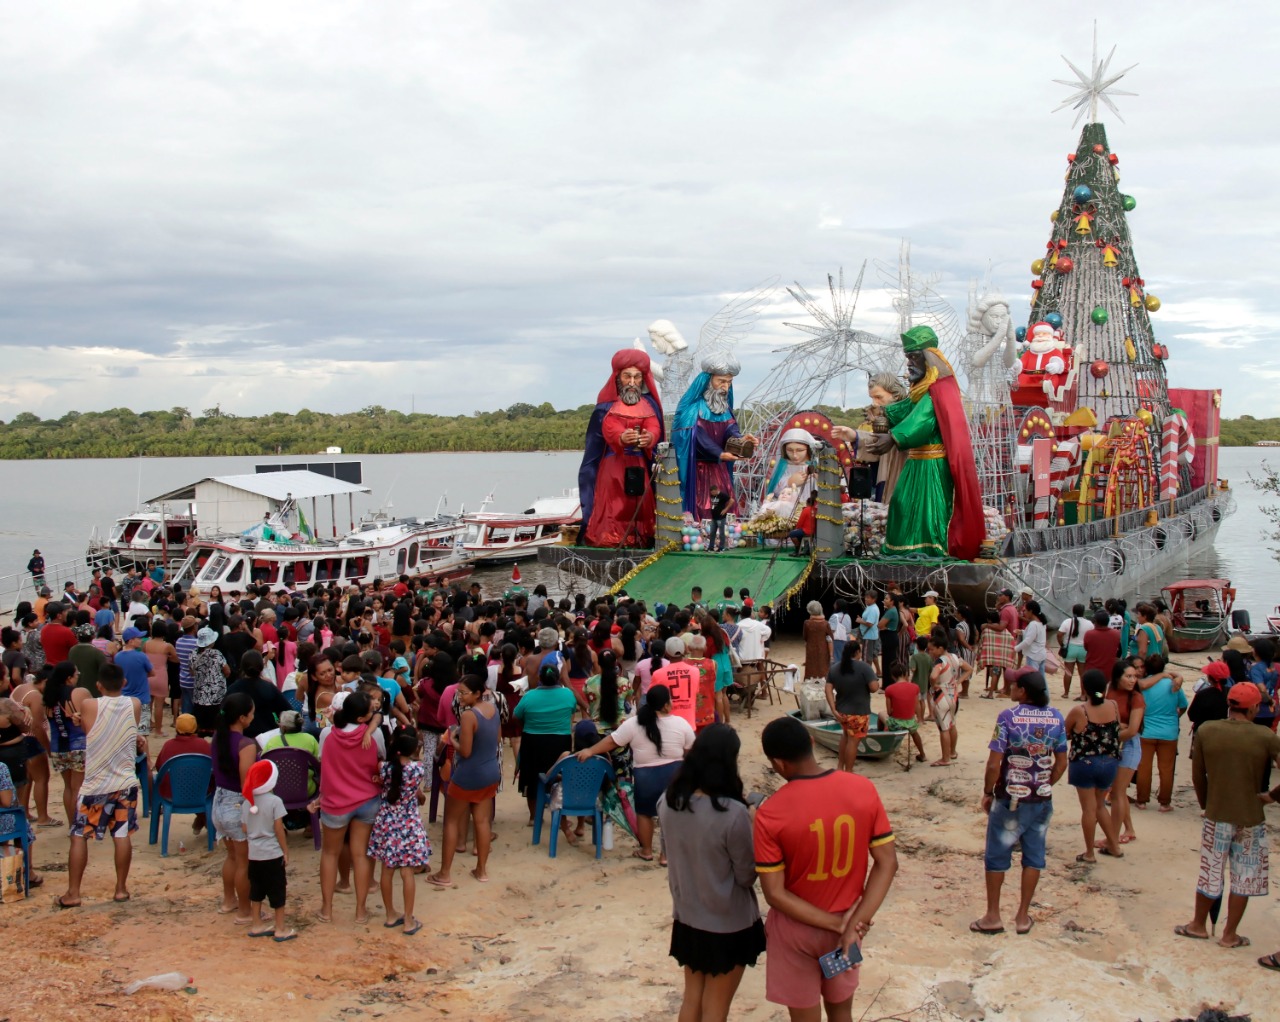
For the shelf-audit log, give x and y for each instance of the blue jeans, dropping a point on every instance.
(1025, 827)
(717, 529)
(837, 650)
(188, 700)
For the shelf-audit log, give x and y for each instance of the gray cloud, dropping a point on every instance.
(467, 207)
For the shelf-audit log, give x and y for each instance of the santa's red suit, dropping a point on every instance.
(1039, 366)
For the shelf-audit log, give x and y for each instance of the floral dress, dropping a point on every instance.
(398, 838)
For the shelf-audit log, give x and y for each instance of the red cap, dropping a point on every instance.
(1217, 670)
(1244, 695)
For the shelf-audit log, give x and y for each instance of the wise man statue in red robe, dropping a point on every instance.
(615, 481)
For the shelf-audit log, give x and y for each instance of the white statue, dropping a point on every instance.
(665, 338)
(794, 478)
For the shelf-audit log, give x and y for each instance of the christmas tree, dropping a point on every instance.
(1090, 287)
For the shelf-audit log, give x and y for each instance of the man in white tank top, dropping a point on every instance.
(109, 793)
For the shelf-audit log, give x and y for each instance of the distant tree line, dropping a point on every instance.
(122, 433)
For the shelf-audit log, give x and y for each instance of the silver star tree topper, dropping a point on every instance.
(1097, 85)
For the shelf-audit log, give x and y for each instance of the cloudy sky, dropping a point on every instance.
(273, 205)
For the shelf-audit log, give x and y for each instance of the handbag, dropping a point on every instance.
(11, 886)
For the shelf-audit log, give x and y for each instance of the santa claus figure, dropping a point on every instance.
(1044, 366)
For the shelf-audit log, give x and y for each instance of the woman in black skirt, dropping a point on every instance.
(706, 827)
(546, 714)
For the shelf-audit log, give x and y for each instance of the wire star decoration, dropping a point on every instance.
(1097, 85)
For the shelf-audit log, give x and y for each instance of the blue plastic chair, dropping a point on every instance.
(18, 830)
(189, 777)
(580, 785)
(296, 769)
(146, 795)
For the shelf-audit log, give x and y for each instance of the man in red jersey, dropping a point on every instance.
(682, 678)
(813, 840)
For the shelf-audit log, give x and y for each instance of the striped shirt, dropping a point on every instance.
(111, 748)
(186, 645)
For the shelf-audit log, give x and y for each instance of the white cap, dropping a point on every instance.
(933, 593)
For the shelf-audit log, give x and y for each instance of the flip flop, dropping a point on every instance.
(262, 933)
(941, 764)
(637, 854)
(50, 825)
(37, 882)
(1086, 860)
(1182, 931)
(1128, 838)
(483, 880)
(120, 901)
(287, 936)
(58, 903)
(1270, 962)
(1240, 942)
(440, 883)
(977, 927)
(409, 931)
(1114, 855)
(393, 924)
(1021, 932)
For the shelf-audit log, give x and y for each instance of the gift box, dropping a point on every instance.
(1203, 409)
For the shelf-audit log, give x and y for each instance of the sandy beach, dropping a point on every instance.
(577, 938)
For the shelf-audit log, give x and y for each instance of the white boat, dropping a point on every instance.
(380, 547)
(148, 535)
(497, 537)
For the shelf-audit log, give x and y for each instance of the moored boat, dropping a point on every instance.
(1200, 610)
(498, 537)
(876, 744)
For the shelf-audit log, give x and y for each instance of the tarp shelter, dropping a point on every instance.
(226, 504)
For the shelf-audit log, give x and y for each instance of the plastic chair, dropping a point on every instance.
(146, 795)
(295, 768)
(19, 830)
(189, 776)
(580, 785)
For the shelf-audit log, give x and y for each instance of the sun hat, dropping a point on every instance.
(262, 778)
(206, 637)
(1240, 644)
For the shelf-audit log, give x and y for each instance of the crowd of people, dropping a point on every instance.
(399, 690)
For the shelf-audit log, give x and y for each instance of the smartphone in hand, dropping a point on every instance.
(835, 962)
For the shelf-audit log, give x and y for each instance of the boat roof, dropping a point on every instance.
(1198, 583)
(272, 485)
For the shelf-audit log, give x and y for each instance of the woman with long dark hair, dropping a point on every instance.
(1124, 692)
(1034, 636)
(716, 931)
(438, 675)
(509, 670)
(658, 740)
(1071, 635)
(62, 701)
(1093, 730)
(602, 694)
(582, 660)
(233, 756)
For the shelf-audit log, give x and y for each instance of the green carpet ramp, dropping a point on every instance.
(772, 576)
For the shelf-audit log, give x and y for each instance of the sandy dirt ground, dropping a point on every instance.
(576, 938)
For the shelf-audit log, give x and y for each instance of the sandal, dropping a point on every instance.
(1240, 942)
(637, 854)
(1184, 931)
(1085, 859)
(977, 927)
(1270, 962)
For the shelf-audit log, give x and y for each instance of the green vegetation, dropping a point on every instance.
(1246, 431)
(1269, 483)
(121, 433)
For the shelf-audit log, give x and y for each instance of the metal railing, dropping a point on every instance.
(1025, 542)
(21, 586)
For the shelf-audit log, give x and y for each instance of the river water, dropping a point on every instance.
(56, 505)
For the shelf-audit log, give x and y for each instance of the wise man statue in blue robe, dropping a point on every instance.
(704, 423)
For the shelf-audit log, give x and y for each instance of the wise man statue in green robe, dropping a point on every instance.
(936, 509)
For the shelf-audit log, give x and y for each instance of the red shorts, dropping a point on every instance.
(468, 795)
(792, 975)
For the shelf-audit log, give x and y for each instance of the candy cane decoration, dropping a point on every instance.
(1186, 438)
(1169, 437)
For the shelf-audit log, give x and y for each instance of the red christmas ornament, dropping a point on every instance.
(1113, 159)
(1048, 246)
(1098, 147)
(1065, 265)
(1126, 281)
(1037, 284)
(1160, 351)
(1071, 157)
(1099, 369)
(1062, 243)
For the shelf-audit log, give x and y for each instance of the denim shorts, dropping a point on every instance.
(226, 818)
(1131, 753)
(1093, 772)
(366, 813)
(1024, 827)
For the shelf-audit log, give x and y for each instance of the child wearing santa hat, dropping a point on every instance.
(263, 816)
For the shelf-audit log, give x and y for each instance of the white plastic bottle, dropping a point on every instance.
(608, 836)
